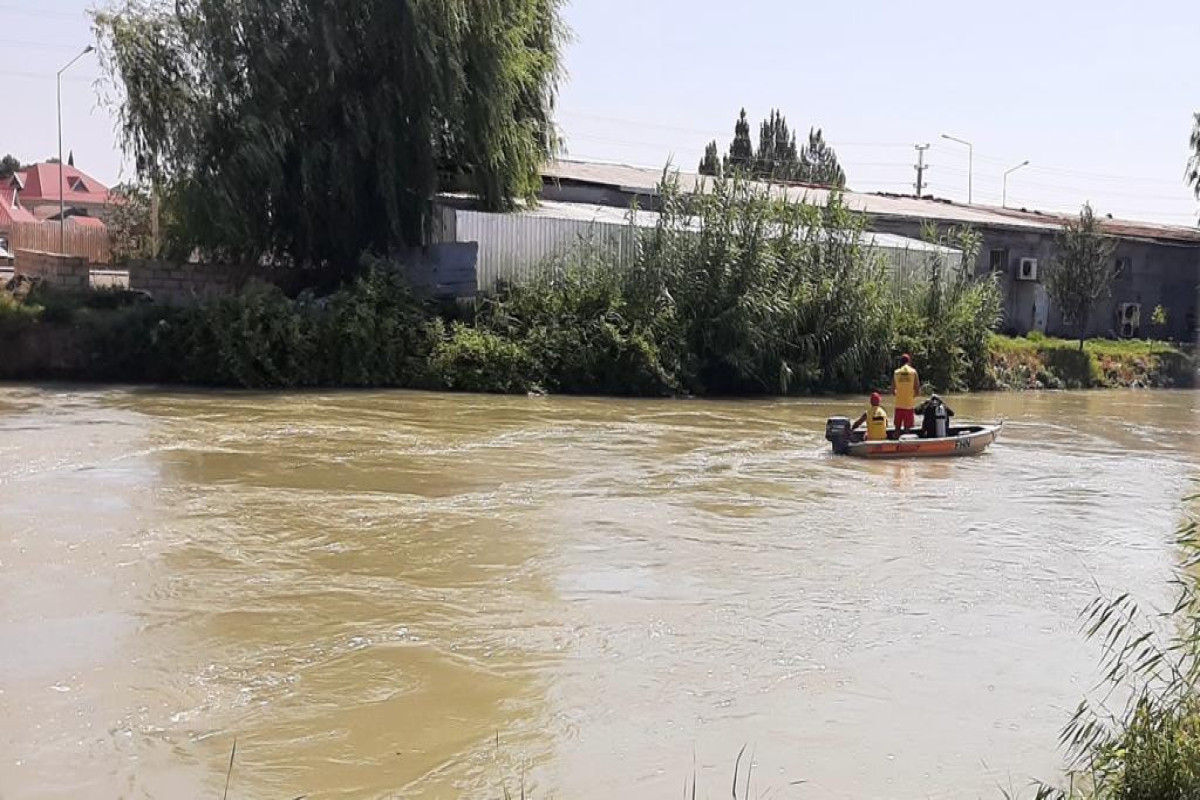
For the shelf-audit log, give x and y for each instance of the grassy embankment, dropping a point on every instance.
(1039, 362)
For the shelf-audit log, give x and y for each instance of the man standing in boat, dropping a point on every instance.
(906, 385)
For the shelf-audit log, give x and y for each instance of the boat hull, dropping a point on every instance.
(963, 441)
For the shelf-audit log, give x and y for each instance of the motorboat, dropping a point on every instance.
(960, 440)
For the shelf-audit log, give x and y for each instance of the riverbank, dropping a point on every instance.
(375, 333)
(1039, 362)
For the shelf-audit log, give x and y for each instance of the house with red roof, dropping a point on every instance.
(40, 187)
(12, 213)
(31, 197)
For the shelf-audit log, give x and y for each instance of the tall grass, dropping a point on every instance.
(1139, 738)
(738, 291)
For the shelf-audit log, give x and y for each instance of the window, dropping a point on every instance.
(998, 261)
(1123, 267)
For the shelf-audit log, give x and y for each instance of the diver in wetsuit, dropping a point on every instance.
(935, 418)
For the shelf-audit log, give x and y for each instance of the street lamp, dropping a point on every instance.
(970, 165)
(1004, 196)
(62, 205)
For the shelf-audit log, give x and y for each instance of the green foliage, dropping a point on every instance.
(1057, 363)
(752, 294)
(376, 332)
(945, 320)
(477, 360)
(819, 164)
(741, 149)
(711, 163)
(1193, 170)
(16, 316)
(313, 131)
(127, 215)
(257, 339)
(777, 157)
(1148, 748)
(1082, 272)
(8, 167)
(581, 330)
(1159, 317)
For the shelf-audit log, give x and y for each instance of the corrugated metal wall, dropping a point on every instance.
(519, 247)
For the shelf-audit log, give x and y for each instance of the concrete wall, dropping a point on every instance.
(61, 272)
(185, 284)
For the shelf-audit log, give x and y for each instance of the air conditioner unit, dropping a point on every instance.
(1028, 270)
(1129, 320)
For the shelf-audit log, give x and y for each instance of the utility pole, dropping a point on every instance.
(62, 203)
(921, 167)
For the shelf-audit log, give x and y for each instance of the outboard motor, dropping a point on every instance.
(837, 431)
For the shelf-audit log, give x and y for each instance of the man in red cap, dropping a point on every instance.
(906, 385)
(876, 419)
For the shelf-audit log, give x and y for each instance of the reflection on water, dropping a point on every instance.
(428, 596)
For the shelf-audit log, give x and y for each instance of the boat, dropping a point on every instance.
(962, 440)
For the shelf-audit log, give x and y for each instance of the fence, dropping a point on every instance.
(47, 237)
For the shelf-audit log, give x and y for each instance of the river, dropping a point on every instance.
(436, 596)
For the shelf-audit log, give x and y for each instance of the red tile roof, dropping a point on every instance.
(42, 184)
(10, 212)
(87, 222)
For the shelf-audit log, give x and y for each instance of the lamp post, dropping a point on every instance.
(1004, 195)
(970, 165)
(62, 205)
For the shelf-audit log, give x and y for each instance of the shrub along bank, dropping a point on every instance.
(733, 292)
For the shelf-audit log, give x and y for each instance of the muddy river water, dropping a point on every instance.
(436, 596)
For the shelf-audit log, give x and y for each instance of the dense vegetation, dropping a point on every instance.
(732, 292)
(312, 131)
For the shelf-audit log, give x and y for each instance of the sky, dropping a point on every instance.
(1098, 96)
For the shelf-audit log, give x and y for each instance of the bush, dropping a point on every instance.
(476, 360)
(946, 321)
(1076, 369)
(376, 332)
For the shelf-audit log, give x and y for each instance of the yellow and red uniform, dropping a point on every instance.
(905, 385)
(877, 424)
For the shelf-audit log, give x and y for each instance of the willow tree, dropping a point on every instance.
(311, 131)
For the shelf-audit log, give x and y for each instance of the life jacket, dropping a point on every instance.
(905, 383)
(877, 424)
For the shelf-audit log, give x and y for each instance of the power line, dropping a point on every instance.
(48, 76)
(46, 14)
(38, 45)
